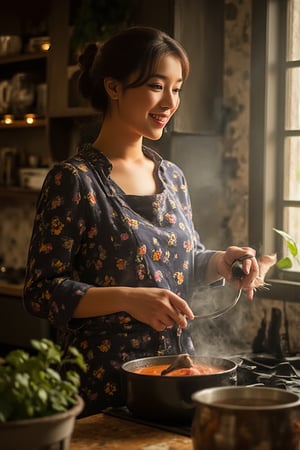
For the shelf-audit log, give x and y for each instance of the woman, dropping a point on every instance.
(114, 254)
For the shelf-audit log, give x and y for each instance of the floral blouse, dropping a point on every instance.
(88, 232)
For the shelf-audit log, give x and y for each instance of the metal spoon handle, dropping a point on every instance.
(237, 272)
(220, 311)
(179, 333)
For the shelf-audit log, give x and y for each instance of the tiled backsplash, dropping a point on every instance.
(15, 232)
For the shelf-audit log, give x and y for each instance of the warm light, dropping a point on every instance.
(30, 118)
(45, 46)
(8, 119)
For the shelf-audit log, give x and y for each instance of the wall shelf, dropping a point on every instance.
(22, 57)
(17, 191)
(24, 124)
(74, 111)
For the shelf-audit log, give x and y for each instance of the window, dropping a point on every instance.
(275, 134)
(291, 126)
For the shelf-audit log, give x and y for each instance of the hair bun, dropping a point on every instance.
(87, 57)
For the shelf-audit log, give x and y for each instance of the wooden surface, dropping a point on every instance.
(106, 433)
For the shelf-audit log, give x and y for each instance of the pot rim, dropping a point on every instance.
(73, 411)
(203, 397)
(138, 363)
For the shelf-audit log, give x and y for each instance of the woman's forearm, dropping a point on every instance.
(99, 301)
(159, 308)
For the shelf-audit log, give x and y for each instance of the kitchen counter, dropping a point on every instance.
(105, 432)
(14, 290)
(17, 326)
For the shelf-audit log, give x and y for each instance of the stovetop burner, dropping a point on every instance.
(269, 371)
(252, 370)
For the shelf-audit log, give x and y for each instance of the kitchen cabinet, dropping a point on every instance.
(71, 120)
(51, 136)
(200, 29)
(18, 194)
(22, 133)
(18, 327)
(23, 126)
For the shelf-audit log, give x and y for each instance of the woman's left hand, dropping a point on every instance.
(249, 265)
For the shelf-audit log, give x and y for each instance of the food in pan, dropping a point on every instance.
(182, 366)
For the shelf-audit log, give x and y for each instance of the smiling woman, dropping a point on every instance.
(114, 255)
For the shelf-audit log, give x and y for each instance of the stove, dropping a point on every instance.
(252, 370)
(269, 371)
(123, 413)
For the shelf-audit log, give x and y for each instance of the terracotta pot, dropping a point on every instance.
(52, 432)
(168, 399)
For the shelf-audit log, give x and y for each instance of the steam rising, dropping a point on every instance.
(226, 335)
(223, 336)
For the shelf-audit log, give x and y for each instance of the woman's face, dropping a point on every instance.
(146, 110)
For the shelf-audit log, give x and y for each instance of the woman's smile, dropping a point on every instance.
(160, 119)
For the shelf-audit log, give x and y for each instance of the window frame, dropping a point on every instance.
(266, 136)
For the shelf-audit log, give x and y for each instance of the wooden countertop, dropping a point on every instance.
(104, 432)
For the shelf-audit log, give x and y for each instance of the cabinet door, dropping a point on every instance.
(199, 27)
(61, 74)
(17, 327)
(70, 121)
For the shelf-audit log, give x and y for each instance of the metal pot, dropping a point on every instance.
(168, 399)
(249, 418)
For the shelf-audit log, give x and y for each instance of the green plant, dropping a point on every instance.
(96, 20)
(287, 262)
(31, 384)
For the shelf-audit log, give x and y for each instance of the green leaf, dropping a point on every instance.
(290, 242)
(53, 375)
(17, 358)
(43, 395)
(285, 263)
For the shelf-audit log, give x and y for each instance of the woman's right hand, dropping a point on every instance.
(159, 308)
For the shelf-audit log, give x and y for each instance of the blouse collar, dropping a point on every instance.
(99, 160)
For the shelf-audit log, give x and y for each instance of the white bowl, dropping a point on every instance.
(10, 45)
(32, 178)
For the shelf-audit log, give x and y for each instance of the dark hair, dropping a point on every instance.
(136, 49)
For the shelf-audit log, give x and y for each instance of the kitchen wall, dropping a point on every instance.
(216, 167)
(216, 164)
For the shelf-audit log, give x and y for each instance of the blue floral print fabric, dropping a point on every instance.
(88, 232)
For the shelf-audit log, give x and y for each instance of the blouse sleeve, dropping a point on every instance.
(51, 290)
